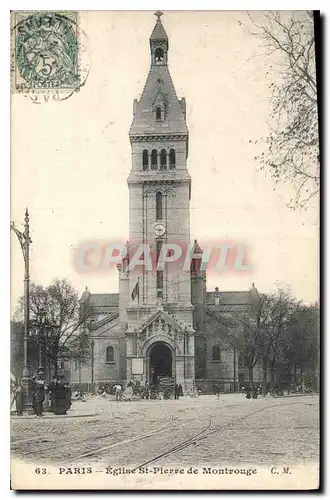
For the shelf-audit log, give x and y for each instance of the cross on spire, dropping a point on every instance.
(159, 13)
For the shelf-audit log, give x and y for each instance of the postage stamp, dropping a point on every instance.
(44, 50)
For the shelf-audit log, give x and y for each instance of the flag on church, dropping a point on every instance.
(136, 290)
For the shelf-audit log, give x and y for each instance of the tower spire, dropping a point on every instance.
(158, 42)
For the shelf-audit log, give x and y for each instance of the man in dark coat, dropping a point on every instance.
(39, 394)
(154, 378)
(68, 396)
(33, 391)
(52, 393)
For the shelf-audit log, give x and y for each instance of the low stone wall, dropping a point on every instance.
(206, 386)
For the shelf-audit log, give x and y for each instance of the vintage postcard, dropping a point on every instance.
(164, 250)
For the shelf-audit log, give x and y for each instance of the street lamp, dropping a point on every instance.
(25, 241)
(41, 330)
(41, 323)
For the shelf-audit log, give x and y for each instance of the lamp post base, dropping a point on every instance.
(27, 390)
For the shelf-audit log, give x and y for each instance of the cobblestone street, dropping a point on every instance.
(228, 431)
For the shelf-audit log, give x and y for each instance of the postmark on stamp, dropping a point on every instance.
(45, 51)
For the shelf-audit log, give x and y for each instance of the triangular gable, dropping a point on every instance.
(171, 323)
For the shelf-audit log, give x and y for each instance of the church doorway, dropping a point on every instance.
(160, 361)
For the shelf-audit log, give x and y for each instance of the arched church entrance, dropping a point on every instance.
(160, 364)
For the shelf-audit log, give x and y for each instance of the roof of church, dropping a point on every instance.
(228, 298)
(158, 32)
(104, 299)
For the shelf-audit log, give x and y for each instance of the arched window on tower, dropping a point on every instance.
(172, 158)
(159, 55)
(163, 161)
(160, 284)
(159, 244)
(215, 353)
(145, 160)
(159, 205)
(154, 162)
(110, 355)
(158, 113)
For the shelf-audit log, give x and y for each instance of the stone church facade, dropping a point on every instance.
(161, 321)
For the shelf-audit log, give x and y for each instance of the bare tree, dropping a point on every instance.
(250, 339)
(244, 330)
(302, 343)
(280, 306)
(67, 321)
(275, 329)
(291, 150)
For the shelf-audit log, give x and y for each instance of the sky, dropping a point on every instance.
(70, 159)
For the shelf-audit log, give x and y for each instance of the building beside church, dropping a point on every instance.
(162, 321)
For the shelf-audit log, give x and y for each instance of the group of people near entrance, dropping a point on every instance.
(141, 391)
(120, 392)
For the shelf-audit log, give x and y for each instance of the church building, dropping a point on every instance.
(162, 321)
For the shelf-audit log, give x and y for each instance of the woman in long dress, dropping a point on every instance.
(60, 398)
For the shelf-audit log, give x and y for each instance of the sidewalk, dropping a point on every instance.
(77, 410)
(98, 406)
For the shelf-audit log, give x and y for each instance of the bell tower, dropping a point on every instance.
(156, 310)
(159, 185)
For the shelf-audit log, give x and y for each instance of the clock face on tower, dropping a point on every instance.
(159, 229)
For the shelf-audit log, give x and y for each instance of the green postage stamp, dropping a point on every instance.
(44, 51)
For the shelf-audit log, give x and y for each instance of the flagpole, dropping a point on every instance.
(138, 297)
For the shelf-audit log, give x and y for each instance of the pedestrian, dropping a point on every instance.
(19, 399)
(68, 396)
(255, 392)
(147, 392)
(176, 391)
(60, 400)
(117, 388)
(217, 390)
(155, 380)
(52, 393)
(103, 391)
(128, 393)
(248, 392)
(40, 387)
